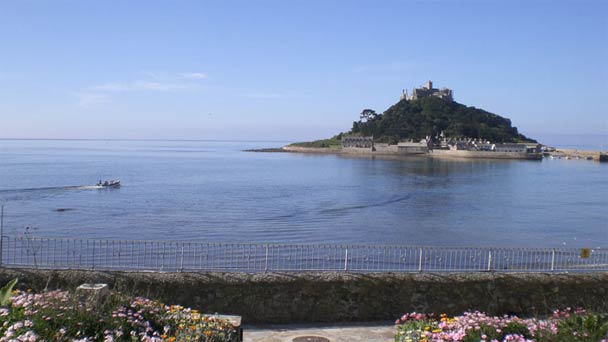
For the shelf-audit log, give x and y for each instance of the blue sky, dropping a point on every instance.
(292, 70)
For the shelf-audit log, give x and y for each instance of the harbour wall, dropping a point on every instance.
(482, 154)
(340, 297)
(393, 151)
(382, 150)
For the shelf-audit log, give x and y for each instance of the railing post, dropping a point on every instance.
(119, 256)
(162, 260)
(266, 260)
(93, 261)
(553, 260)
(1, 233)
(420, 260)
(181, 263)
(489, 260)
(346, 260)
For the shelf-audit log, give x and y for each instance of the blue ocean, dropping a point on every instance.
(214, 191)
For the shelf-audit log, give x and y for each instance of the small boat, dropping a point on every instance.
(109, 184)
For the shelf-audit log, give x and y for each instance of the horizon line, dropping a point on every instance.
(142, 139)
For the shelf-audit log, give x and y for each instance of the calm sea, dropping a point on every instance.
(212, 191)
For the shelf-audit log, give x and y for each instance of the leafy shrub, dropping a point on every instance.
(583, 328)
(61, 316)
(483, 332)
(415, 327)
(333, 142)
(5, 292)
(516, 328)
(564, 326)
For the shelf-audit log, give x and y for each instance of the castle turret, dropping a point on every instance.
(427, 90)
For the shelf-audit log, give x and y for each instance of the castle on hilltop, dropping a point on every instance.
(426, 91)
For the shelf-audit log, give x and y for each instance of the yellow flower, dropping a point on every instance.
(208, 332)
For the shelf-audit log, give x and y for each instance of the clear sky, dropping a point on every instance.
(292, 70)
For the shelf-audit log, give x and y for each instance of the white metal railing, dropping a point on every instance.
(190, 256)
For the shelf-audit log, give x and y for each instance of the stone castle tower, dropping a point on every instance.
(427, 90)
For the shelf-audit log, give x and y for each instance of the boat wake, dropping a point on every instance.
(52, 188)
(89, 187)
(48, 188)
(364, 206)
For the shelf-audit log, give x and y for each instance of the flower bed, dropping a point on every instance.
(61, 316)
(563, 326)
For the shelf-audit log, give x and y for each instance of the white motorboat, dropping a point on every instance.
(109, 184)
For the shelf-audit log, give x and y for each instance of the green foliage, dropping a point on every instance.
(563, 326)
(6, 291)
(583, 328)
(475, 335)
(55, 318)
(414, 330)
(518, 328)
(368, 114)
(430, 116)
(333, 142)
(61, 316)
(493, 333)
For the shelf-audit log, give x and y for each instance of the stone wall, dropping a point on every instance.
(385, 150)
(340, 297)
(483, 154)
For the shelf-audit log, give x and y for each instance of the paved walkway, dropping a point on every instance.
(371, 332)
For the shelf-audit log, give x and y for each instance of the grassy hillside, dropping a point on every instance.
(333, 142)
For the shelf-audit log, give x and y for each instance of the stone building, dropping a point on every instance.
(469, 144)
(428, 90)
(358, 142)
(410, 147)
(521, 148)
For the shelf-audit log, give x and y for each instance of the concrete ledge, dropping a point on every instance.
(340, 297)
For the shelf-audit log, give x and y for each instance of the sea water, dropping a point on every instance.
(214, 191)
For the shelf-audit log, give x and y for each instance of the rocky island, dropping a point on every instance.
(429, 122)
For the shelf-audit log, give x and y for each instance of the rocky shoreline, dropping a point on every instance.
(267, 150)
(569, 154)
(574, 154)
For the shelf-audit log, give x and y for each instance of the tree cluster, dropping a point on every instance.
(430, 116)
